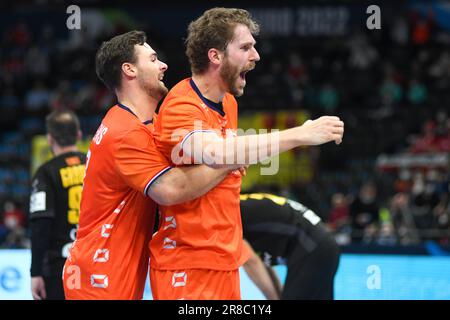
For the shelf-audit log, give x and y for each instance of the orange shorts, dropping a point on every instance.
(195, 284)
(78, 285)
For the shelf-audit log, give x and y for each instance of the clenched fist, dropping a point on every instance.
(322, 130)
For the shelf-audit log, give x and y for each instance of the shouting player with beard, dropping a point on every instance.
(198, 248)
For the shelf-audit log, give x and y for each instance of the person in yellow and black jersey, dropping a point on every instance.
(54, 205)
(280, 231)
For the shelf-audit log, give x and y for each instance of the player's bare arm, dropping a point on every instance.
(216, 151)
(182, 184)
(258, 273)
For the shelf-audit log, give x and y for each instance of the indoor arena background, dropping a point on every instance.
(390, 85)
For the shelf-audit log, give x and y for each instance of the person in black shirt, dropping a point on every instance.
(283, 231)
(364, 213)
(54, 205)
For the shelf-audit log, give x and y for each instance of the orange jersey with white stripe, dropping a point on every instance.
(116, 217)
(205, 233)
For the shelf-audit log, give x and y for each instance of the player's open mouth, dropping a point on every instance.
(242, 74)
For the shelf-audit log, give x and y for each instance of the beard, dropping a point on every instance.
(155, 90)
(230, 74)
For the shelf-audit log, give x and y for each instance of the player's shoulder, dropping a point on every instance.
(43, 170)
(229, 99)
(182, 94)
(118, 118)
(50, 165)
(60, 161)
(73, 158)
(117, 124)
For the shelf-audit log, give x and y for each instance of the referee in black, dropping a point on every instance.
(54, 205)
(283, 231)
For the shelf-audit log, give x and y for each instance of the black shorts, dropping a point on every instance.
(312, 277)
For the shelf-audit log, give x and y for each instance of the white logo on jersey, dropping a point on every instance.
(296, 205)
(101, 255)
(173, 222)
(37, 201)
(179, 279)
(105, 230)
(308, 214)
(99, 281)
(169, 244)
(120, 207)
(311, 217)
(101, 131)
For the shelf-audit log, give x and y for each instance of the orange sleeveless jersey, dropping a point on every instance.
(110, 254)
(205, 233)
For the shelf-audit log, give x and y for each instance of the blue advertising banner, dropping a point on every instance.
(359, 277)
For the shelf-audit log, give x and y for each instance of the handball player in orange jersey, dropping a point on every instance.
(198, 249)
(124, 172)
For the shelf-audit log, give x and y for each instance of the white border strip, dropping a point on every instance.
(191, 133)
(156, 176)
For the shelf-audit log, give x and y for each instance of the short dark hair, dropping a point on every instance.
(63, 126)
(214, 29)
(115, 52)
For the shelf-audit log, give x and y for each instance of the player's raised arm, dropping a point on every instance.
(212, 150)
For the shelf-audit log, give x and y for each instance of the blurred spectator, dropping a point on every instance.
(13, 216)
(339, 216)
(296, 69)
(417, 92)
(297, 77)
(390, 91)
(17, 239)
(103, 98)
(37, 99)
(424, 199)
(84, 100)
(19, 35)
(400, 30)
(12, 66)
(364, 213)
(441, 219)
(328, 99)
(37, 62)
(9, 100)
(403, 220)
(387, 235)
(421, 33)
(403, 182)
(441, 67)
(3, 231)
(14, 221)
(362, 53)
(422, 29)
(428, 141)
(435, 137)
(63, 97)
(442, 131)
(441, 119)
(9, 106)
